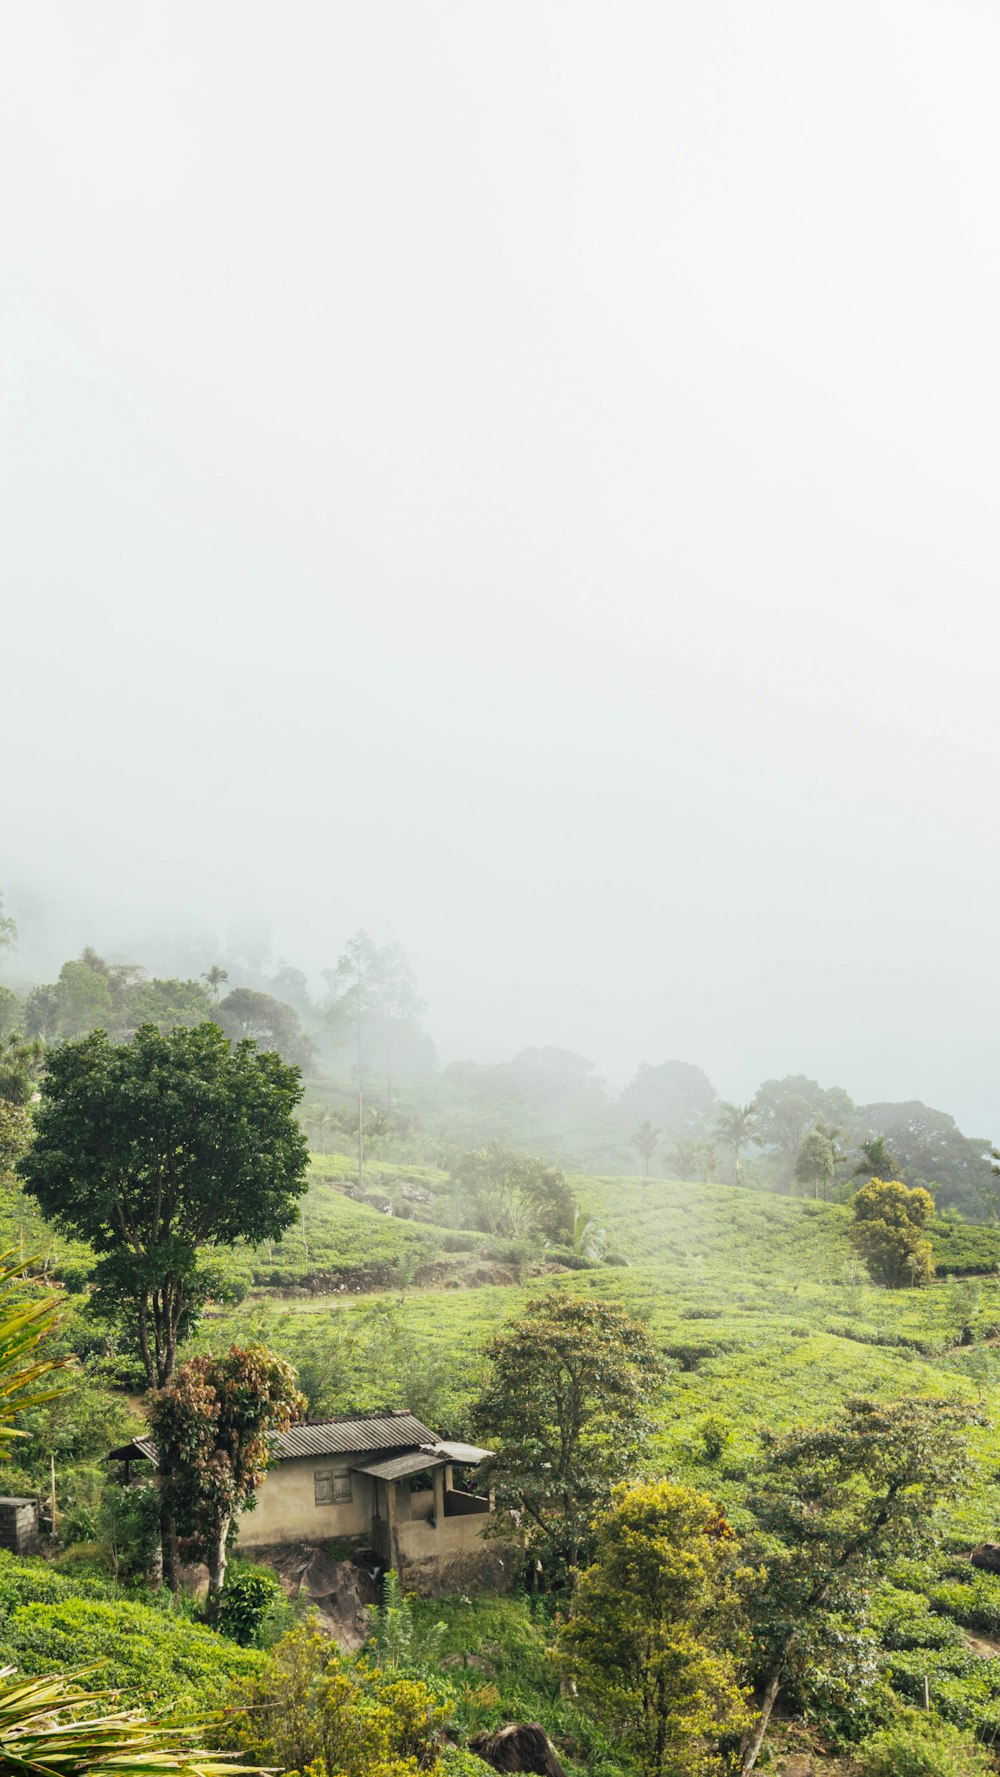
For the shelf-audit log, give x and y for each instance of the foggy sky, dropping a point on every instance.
(522, 479)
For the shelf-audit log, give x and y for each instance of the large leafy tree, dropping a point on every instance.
(246, 1013)
(154, 1149)
(835, 1504)
(567, 1396)
(887, 1233)
(646, 1639)
(212, 1426)
(787, 1109)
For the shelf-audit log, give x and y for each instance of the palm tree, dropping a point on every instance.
(876, 1160)
(736, 1126)
(645, 1139)
(41, 1734)
(588, 1239)
(215, 978)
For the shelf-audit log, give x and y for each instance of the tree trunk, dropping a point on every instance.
(168, 1546)
(217, 1558)
(751, 1751)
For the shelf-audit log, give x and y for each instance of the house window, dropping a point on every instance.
(332, 1488)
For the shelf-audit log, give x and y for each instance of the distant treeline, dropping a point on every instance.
(366, 1026)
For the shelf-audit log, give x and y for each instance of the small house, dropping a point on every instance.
(382, 1481)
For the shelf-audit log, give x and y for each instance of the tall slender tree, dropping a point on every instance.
(736, 1127)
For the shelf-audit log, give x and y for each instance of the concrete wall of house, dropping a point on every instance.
(293, 1505)
(453, 1554)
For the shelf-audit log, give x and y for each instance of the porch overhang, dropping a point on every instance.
(396, 1468)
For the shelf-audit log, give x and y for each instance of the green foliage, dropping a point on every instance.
(254, 1611)
(158, 1659)
(889, 1218)
(814, 1162)
(918, 1747)
(567, 1396)
(151, 1148)
(21, 1064)
(245, 1014)
(26, 1322)
(646, 1638)
(48, 1728)
(515, 1194)
(306, 1709)
(395, 1641)
(834, 1505)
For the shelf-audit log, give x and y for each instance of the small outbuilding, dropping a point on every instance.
(383, 1481)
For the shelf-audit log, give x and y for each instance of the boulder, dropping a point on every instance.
(518, 1746)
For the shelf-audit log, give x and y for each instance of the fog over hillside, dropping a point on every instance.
(522, 481)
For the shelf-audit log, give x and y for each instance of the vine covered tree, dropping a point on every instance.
(212, 1426)
(567, 1397)
(889, 1219)
(151, 1150)
(646, 1639)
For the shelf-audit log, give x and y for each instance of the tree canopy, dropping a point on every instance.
(645, 1641)
(835, 1503)
(567, 1396)
(889, 1218)
(153, 1148)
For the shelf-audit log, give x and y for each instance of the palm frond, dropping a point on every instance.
(43, 1735)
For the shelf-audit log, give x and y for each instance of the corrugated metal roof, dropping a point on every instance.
(347, 1437)
(139, 1447)
(376, 1432)
(395, 1468)
(462, 1452)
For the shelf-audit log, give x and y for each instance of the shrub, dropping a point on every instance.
(254, 1611)
(922, 1748)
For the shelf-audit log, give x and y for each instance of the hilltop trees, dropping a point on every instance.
(515, 1194)
(788, 1108)
(259, 1016)
(645, 1639)
(889, 1219)
(675, 1094)
(567, 1397)
(815, 1161)
(212, 1426)
(151, 1149)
